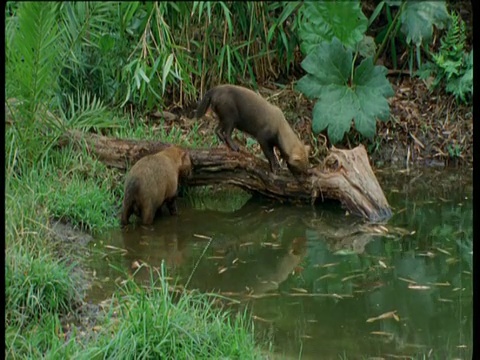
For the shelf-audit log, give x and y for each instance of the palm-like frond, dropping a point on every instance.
(33, 55)
(86, 111)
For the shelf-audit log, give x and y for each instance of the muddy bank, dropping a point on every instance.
(72, 245)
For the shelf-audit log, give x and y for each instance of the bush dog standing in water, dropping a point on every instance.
(152, 181)
(243, 109)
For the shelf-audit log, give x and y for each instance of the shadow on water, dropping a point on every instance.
(319, 283)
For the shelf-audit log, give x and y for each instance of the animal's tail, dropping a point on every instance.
(128, 200)
(204, 104)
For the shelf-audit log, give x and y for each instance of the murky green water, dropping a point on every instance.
(321, 284)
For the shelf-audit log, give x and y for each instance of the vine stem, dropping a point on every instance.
(353, 67)
(389, 31)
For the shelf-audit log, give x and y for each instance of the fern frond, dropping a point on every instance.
(86, 25)
(85, 112)
(34, 54)
(453, 43)
(452, 66)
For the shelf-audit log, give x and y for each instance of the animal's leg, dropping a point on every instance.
(228, 129)
(148, 214)
(227, 118)
(270, 155)
(172, 205)
(219, 132)
(127, 211)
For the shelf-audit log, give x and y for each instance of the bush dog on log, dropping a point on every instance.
(243, 109)
(152, 181)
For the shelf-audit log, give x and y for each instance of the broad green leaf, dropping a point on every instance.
(309, 86)
(324, 20)
(419, 17)
(366, 47)
(336, 59)
(341, 98)
(368, 75)
(334, 111)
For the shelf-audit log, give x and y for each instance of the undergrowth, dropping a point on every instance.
(71, 66)
(42, 286)
(452, 65)
(153, 322)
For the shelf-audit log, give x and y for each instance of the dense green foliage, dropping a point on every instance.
(452, 65)
(343, 92)
(157, 324)
(83, 65)
(143, 53)
(344, 95)
(151, 54)
(57, 80)
(322, 21)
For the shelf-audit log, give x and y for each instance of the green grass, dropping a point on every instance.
(40, 285)
(152, 322)
(68, 186)
(41, 339)
(55, 73)
(174, 134)
(43, 286)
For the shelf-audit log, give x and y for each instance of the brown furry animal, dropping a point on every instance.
(152, 181)
(243, 109)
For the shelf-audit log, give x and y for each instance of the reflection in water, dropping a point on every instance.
(155, 243)
(322, 284)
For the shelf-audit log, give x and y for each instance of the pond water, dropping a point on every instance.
(321, 284)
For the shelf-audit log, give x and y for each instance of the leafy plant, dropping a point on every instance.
(323, 20)
(389, 33)
(419, 17)
(462, 86)
(85, 111)
(32, 69)
(32, 63)
(411, 25)
(452, 65)
(344, 92)
(330, 32)
(92, 50)
(454, 151)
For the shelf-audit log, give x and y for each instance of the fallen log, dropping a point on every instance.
(345, 175)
